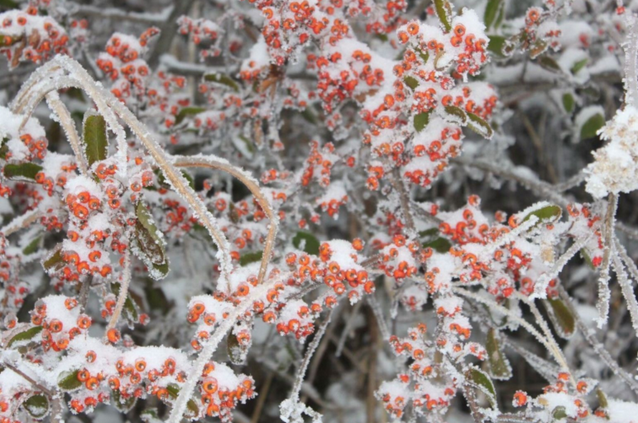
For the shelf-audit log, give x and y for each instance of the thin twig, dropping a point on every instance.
(301, 372)
(212, 162)
(121, 299)
(28, 378)
(603, 281)
(21, 222)
(548, 334)
(560, 359)
(598, 347)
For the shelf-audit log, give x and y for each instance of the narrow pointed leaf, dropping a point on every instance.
(68, 381)
(222, 79)
(187, 111)
(456, 115)
(591, 127)
(150, 243)
(21, 171)
(27, 335)
(550, 64)
(492, 10)
(444, 12)
(578, 66)
(480, 126)
(499, 366)
(485, 384)
(561, 316)
(568, 102)
(96, 145)
(32, 247)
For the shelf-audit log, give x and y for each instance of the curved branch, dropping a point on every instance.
(212, 162)
(58, 107)
(20, 222)
(109, 106)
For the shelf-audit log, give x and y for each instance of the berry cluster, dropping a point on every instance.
(123, 63)
(202, 32)
(26, 36)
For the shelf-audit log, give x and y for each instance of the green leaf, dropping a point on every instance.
(187, 111)
(411, 82)
(421, 120)
(21, 171)
(568, 102)
(440, 245)
(9, 4)
(591, 127)
(499, 45)
(492, 10)
(444, 12)
(32, 247)
(559, 413)
(480, 126)
(150, 243)
(602, 399)
(484, 383)
(549, 63)
(222, 79)
(561, 316)
(498, 363)
(550, 212)
(68, 381)
(311, 245)
(129, 306)
(578, 66)
(309, 115)
(456, 115)
(37, 406)
(173, 391)
(4, 149)
(250, 258)
(96, 144)
(26, 335)
(53, 262)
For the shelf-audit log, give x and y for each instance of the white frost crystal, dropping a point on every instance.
(615, 168)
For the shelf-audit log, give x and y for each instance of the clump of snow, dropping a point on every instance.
(615, 168)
